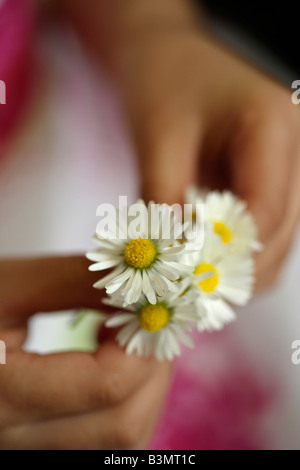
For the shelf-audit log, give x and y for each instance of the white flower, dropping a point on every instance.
(157, 329)
(231, 278)
(229, 218)
(214, 314)
(141, 264)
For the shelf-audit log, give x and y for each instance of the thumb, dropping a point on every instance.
(46, 284)
(168, 161)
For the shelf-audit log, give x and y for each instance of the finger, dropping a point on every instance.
(279, 245)
(262, 153)
(168, 160)
(127, 426)
(40, 387)
(47, 284)
(293, 209)
(14, 337)
(268, 280)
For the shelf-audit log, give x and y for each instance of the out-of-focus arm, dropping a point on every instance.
(107, 26)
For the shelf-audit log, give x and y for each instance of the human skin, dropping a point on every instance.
(75, 400)
(198, 114)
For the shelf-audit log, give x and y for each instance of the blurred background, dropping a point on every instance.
(65, 149)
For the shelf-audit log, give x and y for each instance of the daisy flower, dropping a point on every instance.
(229, 218)
(230, 277)
(140, 263)
(157, 329)
(214, 314)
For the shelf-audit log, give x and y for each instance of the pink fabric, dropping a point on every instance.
(17, 31)
(219, 399)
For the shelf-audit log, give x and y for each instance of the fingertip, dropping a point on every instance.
(267, 216)
(162, 194)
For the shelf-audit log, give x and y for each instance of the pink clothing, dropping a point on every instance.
(219, 400)
(17, 31)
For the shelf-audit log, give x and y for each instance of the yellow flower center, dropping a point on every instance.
(208, 285)
(223, 231)
(140, 253)
(154, 317)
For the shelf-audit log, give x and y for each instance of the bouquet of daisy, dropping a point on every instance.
(169, 275)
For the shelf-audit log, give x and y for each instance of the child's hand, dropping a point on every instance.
(105, 400)
(200, 114)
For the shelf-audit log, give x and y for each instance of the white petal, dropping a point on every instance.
(184, 338)
(172, 348)
(159, 347)
(179, 267)
(237, 296)
(157, 282)
(135, 290)
(184, 286)
(185, 317)
(172, 287)
(119, 320)
(113, 288)
(172, 343)
(148, 343)
(128, 284)
(108, 244)
(148, 289)
(174, 250)
(95, 256)
(167, 271)
(108, 278)
(138, 286)
(163, 244)
(135, 343)
(218, 314)
(125, 334)
(123, 276)
(102, 265)
(166, 257)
